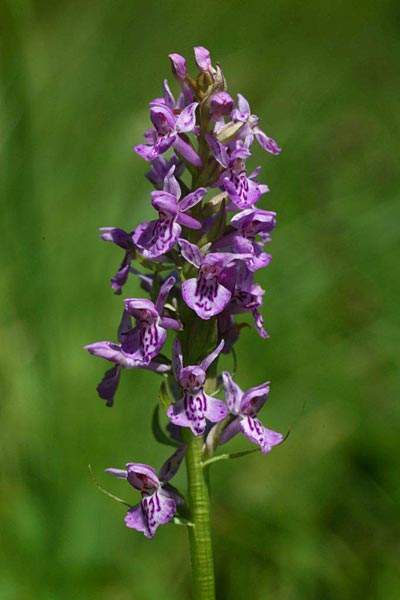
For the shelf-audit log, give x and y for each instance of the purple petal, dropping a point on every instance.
(191, 252)
(135, 519)
(207, 297)
(147, 152)
(254, 399)
(188, 221)
(156, 238)
(233, 393)
(208, 360)
(188, 412)
(112, 352)
(187, 151)
(108, 385)
(120, 473)
(187, 119)
(218, 150)
(172, 464)
(243, 105)
(158, 509)
(253, 429)
(192, 199)
(177, 362)
(171, 186)
(120, 278)
(117, 236)
(162, 118)
(178, 64)
(216, 410)
(202, 58)
(165, 203)
(259, 323)
(266, 142)
(168, 97)
(230, 431)
(169, 323)
(136, 306)
(163, 293)
(142, 477)
(221, 104)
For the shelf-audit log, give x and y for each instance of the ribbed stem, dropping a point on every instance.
(200, 533)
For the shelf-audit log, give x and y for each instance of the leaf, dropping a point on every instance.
(163, 395)
(158, 432)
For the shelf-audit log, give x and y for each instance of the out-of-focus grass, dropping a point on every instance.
(319, 517)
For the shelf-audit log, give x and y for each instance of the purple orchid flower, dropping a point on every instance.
(206, 294)
(159, 499)
(139, 345)
(252, 222)
(250, 127)
(195, 406)
(243, 191)
(158, 237)
(245, 406)
(168, 131)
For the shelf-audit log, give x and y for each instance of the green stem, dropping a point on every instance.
(200, 533)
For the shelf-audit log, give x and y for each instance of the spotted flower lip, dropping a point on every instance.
(159, 500)
(196, 406)
(155, 238)
(167, 132)
(244, 406)
(206, 295)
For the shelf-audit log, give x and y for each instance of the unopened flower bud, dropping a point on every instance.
(202, 58)
(178, 65)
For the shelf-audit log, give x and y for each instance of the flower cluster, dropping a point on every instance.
(197, 260)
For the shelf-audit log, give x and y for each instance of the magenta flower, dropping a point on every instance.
(243, 191)
(195, 406)
(245, 406)
(159, 500)
(250, 127)
(139, 345)
(206, 295)
(155, 238)
(168, 131)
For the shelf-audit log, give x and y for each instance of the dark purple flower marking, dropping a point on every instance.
(245, 406)
(158, 237)
(159, 500)
(195, 406)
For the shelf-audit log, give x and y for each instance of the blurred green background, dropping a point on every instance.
(317, 519)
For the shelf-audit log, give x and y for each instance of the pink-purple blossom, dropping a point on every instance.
(159, 500)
